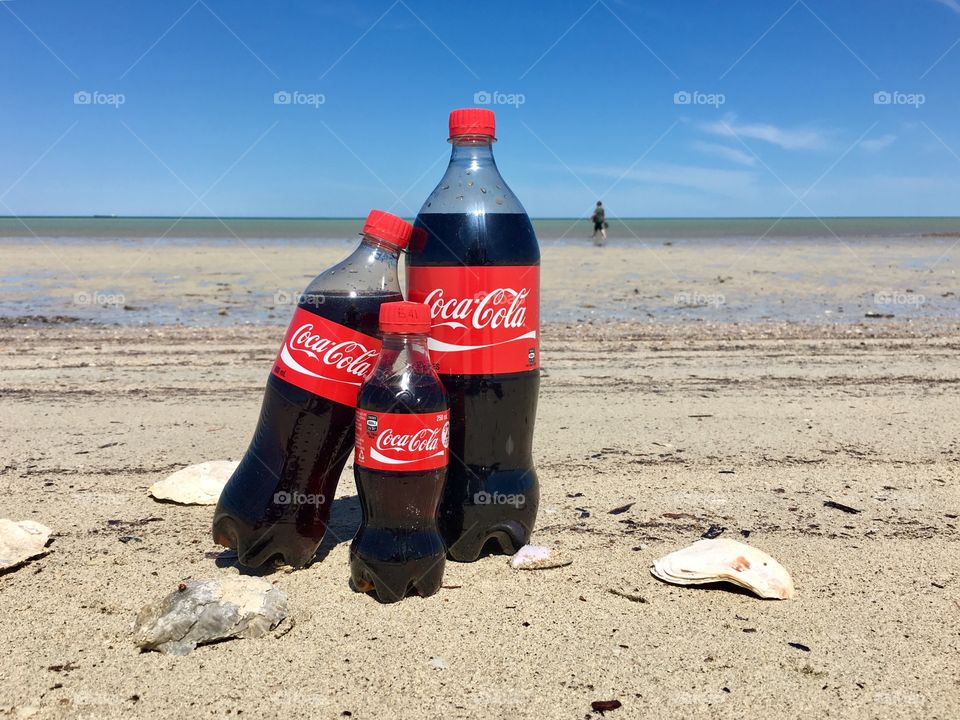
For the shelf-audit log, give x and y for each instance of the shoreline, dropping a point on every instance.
(701, 282)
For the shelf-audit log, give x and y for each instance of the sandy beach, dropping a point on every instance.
(748, 403)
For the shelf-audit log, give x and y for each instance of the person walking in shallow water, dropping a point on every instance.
(599, 218)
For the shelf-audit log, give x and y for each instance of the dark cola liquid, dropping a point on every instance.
(398, 548)
(492, 494)
(277, 503)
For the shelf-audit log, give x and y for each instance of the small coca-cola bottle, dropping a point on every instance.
(400, 462)
(277, 503)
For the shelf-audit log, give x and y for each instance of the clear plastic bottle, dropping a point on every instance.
(475, 262)
(277, 503)
(402, 440)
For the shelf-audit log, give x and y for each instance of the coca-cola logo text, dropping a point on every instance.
(350, 356)
(503, 307)
(422, 441)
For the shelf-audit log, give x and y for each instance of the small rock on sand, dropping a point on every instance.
(537, 557)
(20, 541)
(205, 611)
(199, 484)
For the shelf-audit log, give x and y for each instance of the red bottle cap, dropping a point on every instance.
(472, 121)
(405, 317)
(389, 228)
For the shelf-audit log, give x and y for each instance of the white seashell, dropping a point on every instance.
(724, 560)
(537, 557)
(21, 541)
(199, 484)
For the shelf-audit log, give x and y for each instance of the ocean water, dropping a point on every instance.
(626, 230)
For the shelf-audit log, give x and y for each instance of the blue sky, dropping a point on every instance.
(701, 108)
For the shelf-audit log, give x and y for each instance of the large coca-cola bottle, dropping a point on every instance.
(476, 263)
(277, 503)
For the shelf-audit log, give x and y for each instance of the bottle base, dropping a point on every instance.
(271, 545)
(422, 577)
(504, 539)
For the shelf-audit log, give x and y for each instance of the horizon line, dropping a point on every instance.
(553, 217)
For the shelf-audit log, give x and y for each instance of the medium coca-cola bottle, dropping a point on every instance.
(402, 440)
(277, 503)
(476, 264)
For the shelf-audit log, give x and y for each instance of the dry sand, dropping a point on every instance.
(750, 427)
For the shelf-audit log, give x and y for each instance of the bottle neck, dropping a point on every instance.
(401, 351)
(370, 245)
(472, 150)
(405, 343)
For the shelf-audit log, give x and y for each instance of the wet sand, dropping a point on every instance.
(221, 282)
(748, 426)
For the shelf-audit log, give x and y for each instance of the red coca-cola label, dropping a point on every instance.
(408, 443)
(486, 320)
(326, 358)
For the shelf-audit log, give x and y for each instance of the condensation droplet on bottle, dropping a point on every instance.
(445, 187)
(510, 445)
(470, 184)
(459, 197)
(499, 199)
(483, 190)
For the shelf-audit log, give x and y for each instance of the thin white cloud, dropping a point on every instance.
(878, 143)
(732, 154)
(788, 139)
(952, 4)
(730, 183)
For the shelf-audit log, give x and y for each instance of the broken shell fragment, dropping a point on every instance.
(725, 560)
(206, 611)
(199, 484)
(20, 541)
(537, 557)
